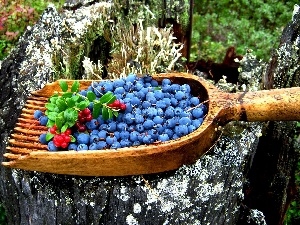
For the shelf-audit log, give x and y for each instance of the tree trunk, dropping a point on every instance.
(214, 190)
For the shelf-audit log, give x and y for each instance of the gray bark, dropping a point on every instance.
(220, 188)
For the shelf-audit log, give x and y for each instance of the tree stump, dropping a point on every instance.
(231, 184)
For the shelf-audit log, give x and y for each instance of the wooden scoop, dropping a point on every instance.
(27, 153)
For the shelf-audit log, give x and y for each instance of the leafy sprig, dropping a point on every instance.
(62, 108)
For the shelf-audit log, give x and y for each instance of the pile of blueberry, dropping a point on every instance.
(149, 113)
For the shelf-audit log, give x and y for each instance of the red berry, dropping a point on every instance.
(88, 118)
(81, 128)
(81, 119)
(117, 103)
(122, 106)
(67, 139)
(68, 131)
(52, 130)
(64, 145)
(86, 111)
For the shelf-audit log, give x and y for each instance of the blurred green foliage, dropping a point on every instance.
(245, 24)
(2, 216)
(15, 16)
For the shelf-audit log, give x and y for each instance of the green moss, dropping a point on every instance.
(255, 25)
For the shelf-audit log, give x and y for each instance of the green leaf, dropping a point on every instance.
(96, 109)
(75, 98)
(50, 123)
(82, 105)
(51, 107)
(59, 120)
(70, 102)
(110, 113)
(106, 97)
(64, 127)
(116, 113)
(67, 95)
(53, 98)
(52, 115)
(61, 104)
(49, 136)
(111, 100)
(70, 115)
(63, 85)
(73, 139)
(91, 96)
(105, 114)
(75, 86)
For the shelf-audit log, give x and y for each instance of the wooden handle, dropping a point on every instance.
(266, 105)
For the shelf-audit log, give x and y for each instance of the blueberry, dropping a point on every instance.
(83, 138)
(191, 128)
(151, 112)
(82, 147)
(166, 81)
(139, 128)
(122, 126)
(93, 146)
(146, 104)
(42, 139)
(128, 108)
(158, 120)
(185, 88)
(194, 101)
(101, 145)
(169, 113)
(185, 121)
(134, 136)
(174, 102)
(124, 134)
(131, 78)
(110, 140)
(163, 137)
(102, 134)
(174, 88)
(112, 126)
(169, 132)
(181, 130)
(92, 125)
(37, 114)
(136, 143)
(154, 83)
(72, 146)
(197, 122)
(135, 101)
(118, 83)
(108, 86)
(147, 139)
(166, 88)
(128, 86)
(128, 118)
(43, 120)
(148, 124)
(178, 111)
(179, 95)
(138, 86)
(170, 123)
(117, 134)
(161, 104)
(197, 113)
(94, 138)
(125, 143)
(115, 145)
(52, 147)
(119, 90)
(138, 118)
